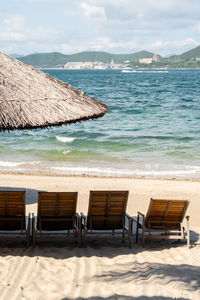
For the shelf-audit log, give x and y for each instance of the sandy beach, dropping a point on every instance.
(103, 270)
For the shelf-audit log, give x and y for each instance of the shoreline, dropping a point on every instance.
(36, 174)
(89, 69)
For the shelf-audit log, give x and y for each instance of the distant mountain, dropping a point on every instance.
(107, 57)
(15, 55)
(56, 59)
(44, 59)
(193, 53)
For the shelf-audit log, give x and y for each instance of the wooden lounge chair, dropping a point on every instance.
(107, 215)
(56, 217)
(163, 220)
(13, 221)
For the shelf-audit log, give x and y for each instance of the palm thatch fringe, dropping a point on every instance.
(30, 98)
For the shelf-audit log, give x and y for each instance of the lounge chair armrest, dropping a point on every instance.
(129, 223)
(141, 214)
(140, 218)
(83, 216)
(134, 219)
(128, 216)
(78, 216)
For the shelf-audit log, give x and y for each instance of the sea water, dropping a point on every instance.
(152, 128)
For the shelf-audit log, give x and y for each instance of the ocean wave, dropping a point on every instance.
(94, 171)
(166, 173)
(64, 139)
(117, 170)
(9, 164)
(153, 173)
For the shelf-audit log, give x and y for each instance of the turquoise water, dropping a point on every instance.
(152, 128)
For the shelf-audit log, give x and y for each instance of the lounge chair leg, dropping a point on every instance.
(84, 240)
(130, 231)
(80, 240)
(79, 232)
(129, 238)
(123, 237)
(136, 240)
(188, 232)
(33, 232)
(143, 237)
(27, 240)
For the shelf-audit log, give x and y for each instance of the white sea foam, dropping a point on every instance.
(178, 173)
(66, 152)
(20, 165)
(9, 164)
(170, 173)
(64, 139)
(144, 71)
(147, 171)
(129, 71)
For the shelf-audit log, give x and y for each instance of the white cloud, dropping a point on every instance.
(48, 1)
(15, 33)
(14, 28)
(197, 27)
(167, 47)
(14, 21)
(91, 11)
(151, 14)
(110, 25)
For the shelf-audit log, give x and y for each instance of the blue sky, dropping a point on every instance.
(116, 26)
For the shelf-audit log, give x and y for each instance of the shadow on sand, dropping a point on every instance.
(187, 274)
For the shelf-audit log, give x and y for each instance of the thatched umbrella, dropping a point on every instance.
(30, 98)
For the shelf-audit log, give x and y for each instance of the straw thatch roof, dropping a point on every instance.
(30, 98)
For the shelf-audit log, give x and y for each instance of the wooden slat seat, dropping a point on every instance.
(164, 217)
(56, 215)
(107, 212)
(13, 221)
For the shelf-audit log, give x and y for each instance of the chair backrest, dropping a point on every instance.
(107, 209)
(56, 210)
(166, 213)
(12, 210)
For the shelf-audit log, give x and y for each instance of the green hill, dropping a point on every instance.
(56, 59)
(107, 57)
(44, 59)
(193, 53)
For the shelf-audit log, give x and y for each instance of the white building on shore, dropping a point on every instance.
(149, 60)
(93, 65)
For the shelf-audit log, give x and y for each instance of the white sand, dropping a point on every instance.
(161, 270)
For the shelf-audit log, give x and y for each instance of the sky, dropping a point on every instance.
(115, 26)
